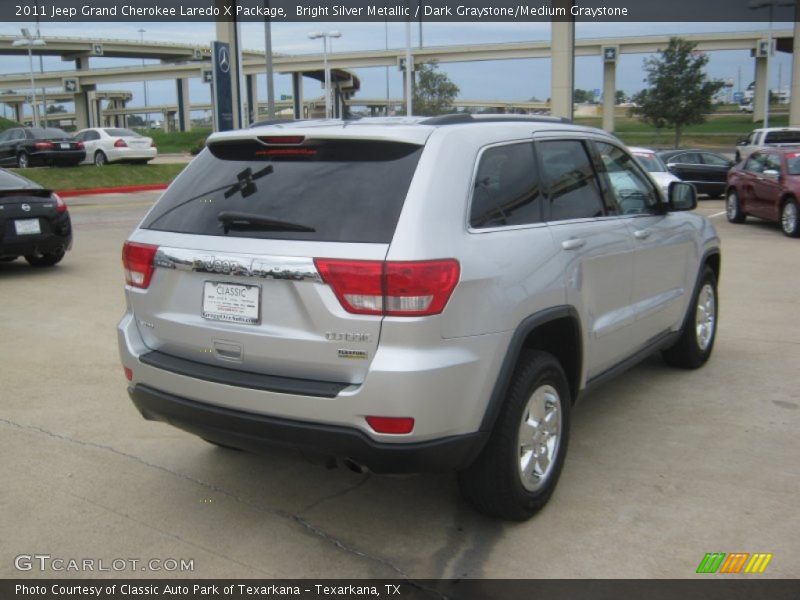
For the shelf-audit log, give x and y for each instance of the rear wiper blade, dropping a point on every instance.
(252, 222)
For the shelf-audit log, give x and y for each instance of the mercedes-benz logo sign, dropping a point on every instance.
(223, 60)
(26, 207)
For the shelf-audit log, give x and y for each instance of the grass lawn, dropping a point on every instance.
(89, 176)
(176, 141)
(717, 131)
(7, 124)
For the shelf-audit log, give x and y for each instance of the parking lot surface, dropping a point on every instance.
(664, 465)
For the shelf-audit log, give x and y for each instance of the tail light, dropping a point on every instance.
(137, 259)
(120, 143)
(79, 145)
(393, 425)
(391, 288)
(61, 206)
(43, 145)
(152, 144)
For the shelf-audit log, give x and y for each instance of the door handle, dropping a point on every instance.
(573, 243)
(641, 234)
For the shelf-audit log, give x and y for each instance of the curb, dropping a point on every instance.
(124, 189)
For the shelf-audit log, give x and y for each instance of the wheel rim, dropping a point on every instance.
(705, 316)
(732, 206)
(539, 437)
(99, 160)
(23, 161)
(789, 217)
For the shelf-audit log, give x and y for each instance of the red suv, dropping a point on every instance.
(767, 185)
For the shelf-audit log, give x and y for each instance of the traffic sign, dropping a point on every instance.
(71, 86)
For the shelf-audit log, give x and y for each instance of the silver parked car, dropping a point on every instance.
(412, 294)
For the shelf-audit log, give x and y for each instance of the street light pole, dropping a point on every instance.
(325, 35)
(144, 83)
(30, 41)
(770, 5)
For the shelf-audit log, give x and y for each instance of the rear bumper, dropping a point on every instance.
(124, 154)
(56, 234)
(256, 432)
(58, 157)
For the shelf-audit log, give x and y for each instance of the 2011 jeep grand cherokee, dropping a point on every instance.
(411, 294)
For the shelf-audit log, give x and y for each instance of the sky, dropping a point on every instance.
(511, 80)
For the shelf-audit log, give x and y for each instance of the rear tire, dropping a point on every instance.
(733, 208)
(23, 160)
(790, 218)
(213, 443)
(100, 159)
(518, 470)
(699, 332)
(47, 259)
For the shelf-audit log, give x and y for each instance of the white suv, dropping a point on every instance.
(412, 294)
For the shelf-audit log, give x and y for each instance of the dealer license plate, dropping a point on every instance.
(65, 146)
(27, 226)
(231, 302)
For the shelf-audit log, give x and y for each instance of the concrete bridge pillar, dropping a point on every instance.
(761, 85)
(83, 107)
(184, 105)
(562, 65)
(297, 95)
(19, 111)
(609, 94)
(794, 103)
(82, 63)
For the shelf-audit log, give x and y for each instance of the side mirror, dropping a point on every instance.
(772, 175)
(671, 165)
(682, 196)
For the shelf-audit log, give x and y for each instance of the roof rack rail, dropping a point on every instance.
(267, 122)
(461, 118)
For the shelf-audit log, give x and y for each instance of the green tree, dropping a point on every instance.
(620, 97)
(434, 93)
(582, 96)
(679, 92)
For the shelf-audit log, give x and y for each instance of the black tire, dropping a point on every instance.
(689, 352)
(790, 218)
(493, 484)
(733, 208)
(100, 159)
(23, 160)
(47, 259)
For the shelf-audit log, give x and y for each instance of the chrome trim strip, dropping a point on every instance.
(290, 268)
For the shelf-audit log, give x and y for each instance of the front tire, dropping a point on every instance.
(518, 470)
(790, 218)
(47, 259)
(694, 347)
(733, 208)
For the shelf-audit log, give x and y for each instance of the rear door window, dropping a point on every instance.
(507, 190)
(573, 190)
(783, 137)
(324, 190)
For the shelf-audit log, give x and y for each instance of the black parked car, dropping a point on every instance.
(34, 222)
(707, 171)
(31, 146)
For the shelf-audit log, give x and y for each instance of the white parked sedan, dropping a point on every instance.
(115, 144)
(652, 163)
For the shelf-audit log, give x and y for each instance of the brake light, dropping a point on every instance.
(282, 139)
(61, 206)
(391, 288)
(120, 143)
(43, 145)
(137, 259)
(152, 144)
(79, 145)
(393, 425)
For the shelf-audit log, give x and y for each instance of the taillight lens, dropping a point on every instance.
(391, 288)
(152, 144)
(120, 143)
(61, 206)
(137, 259)
(45, 145)
(79, 145)
(393, 425)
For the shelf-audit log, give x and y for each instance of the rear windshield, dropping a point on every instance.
(346, 191)
(793, 163)
(10, 181)
(783, 137)
(121, 133)
(650, 162)
(48, 133)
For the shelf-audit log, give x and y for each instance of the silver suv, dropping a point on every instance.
(411, 294)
